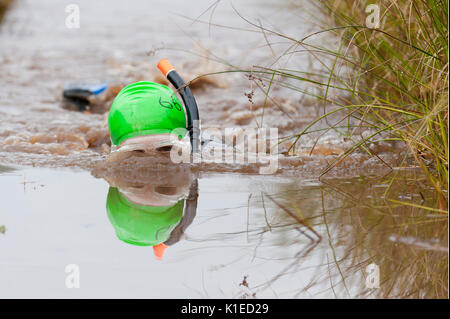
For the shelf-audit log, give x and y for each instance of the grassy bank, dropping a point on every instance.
(389, 77)
(399, 75)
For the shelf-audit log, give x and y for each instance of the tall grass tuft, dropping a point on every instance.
(391, 78)
(400, 74)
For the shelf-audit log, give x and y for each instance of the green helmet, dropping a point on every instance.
(144, 108)
(141, 225)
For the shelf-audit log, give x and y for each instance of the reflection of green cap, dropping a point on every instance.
(144, 108)
(141, 225)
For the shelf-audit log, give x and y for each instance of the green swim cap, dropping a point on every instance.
(144, 108)
(141, 225)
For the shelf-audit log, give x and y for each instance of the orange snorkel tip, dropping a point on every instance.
(159, 250)
(165, 67)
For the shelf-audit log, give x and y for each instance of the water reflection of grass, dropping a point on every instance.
(361, 226)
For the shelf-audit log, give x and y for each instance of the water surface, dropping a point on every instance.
(250, 237)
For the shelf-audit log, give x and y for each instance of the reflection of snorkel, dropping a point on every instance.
(188, 99)
(152, 215)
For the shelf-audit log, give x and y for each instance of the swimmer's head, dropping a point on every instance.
(144, 109)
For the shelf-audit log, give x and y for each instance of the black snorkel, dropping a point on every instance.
(188, 99)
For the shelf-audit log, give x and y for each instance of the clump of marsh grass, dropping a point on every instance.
(399, 78)
(4, 4)
(388, 81)
(391, 78)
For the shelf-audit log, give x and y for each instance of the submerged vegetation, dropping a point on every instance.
(406, 242)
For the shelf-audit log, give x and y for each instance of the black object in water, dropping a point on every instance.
(79, 94)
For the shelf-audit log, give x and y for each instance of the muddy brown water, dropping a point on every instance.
(121, 44)
(283, 235)
(249, 237)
